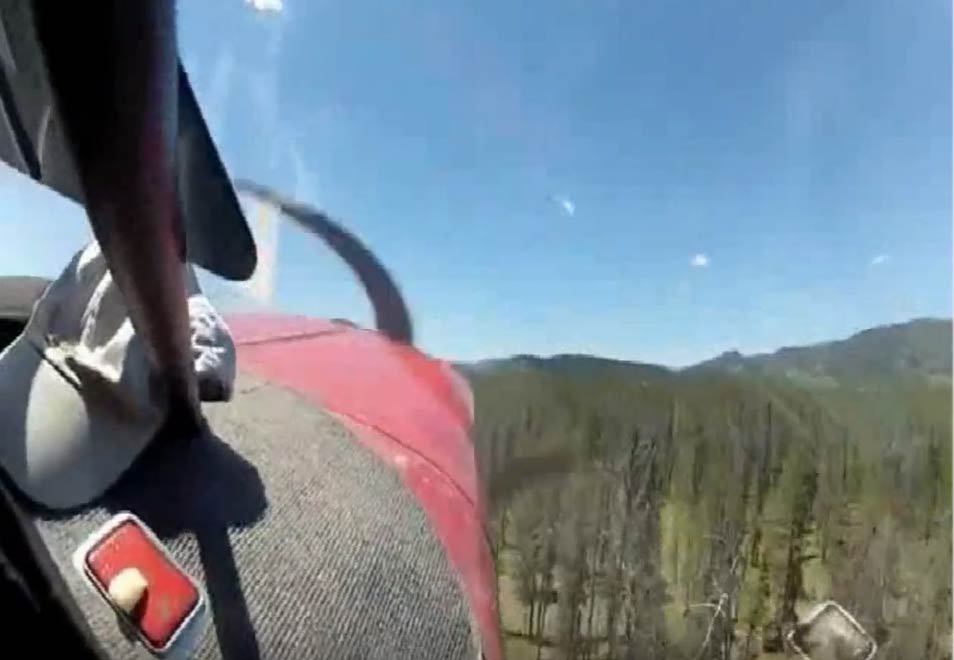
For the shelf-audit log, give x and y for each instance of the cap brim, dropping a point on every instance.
(59, 448)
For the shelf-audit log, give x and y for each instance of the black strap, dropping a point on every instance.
(390, 311)
(38, 613)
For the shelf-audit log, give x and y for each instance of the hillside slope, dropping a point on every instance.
(911, 352)
(622, 495)
(918, 349)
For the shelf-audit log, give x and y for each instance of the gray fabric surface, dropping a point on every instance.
(307, 545)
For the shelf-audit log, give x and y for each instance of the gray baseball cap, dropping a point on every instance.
(78, 402)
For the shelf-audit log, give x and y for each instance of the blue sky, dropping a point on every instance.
(649, 180)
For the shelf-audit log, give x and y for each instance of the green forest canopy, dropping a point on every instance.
(641, 512)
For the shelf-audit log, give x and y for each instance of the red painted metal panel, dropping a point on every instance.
(413, 411)
(387, 386)
(253, 328)
(457, 525)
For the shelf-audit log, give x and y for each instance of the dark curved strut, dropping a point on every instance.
(390, 311)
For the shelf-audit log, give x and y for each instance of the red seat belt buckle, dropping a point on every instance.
(129, 567)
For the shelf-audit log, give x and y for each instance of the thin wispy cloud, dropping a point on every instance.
(265, 6)
(699, 260)
(262, 80)
(880, 260)
(304, 186)
(565, 203)
(220, 91)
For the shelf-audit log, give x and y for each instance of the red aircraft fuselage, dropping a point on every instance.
(413, 411)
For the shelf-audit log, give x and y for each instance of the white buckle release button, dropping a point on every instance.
(127, 589)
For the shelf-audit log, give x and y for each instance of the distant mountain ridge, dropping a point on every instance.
(568, 364)
(918, 350)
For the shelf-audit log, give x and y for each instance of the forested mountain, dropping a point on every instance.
(570, 364)
(639, 512)
(909, 351)
(912, 351)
